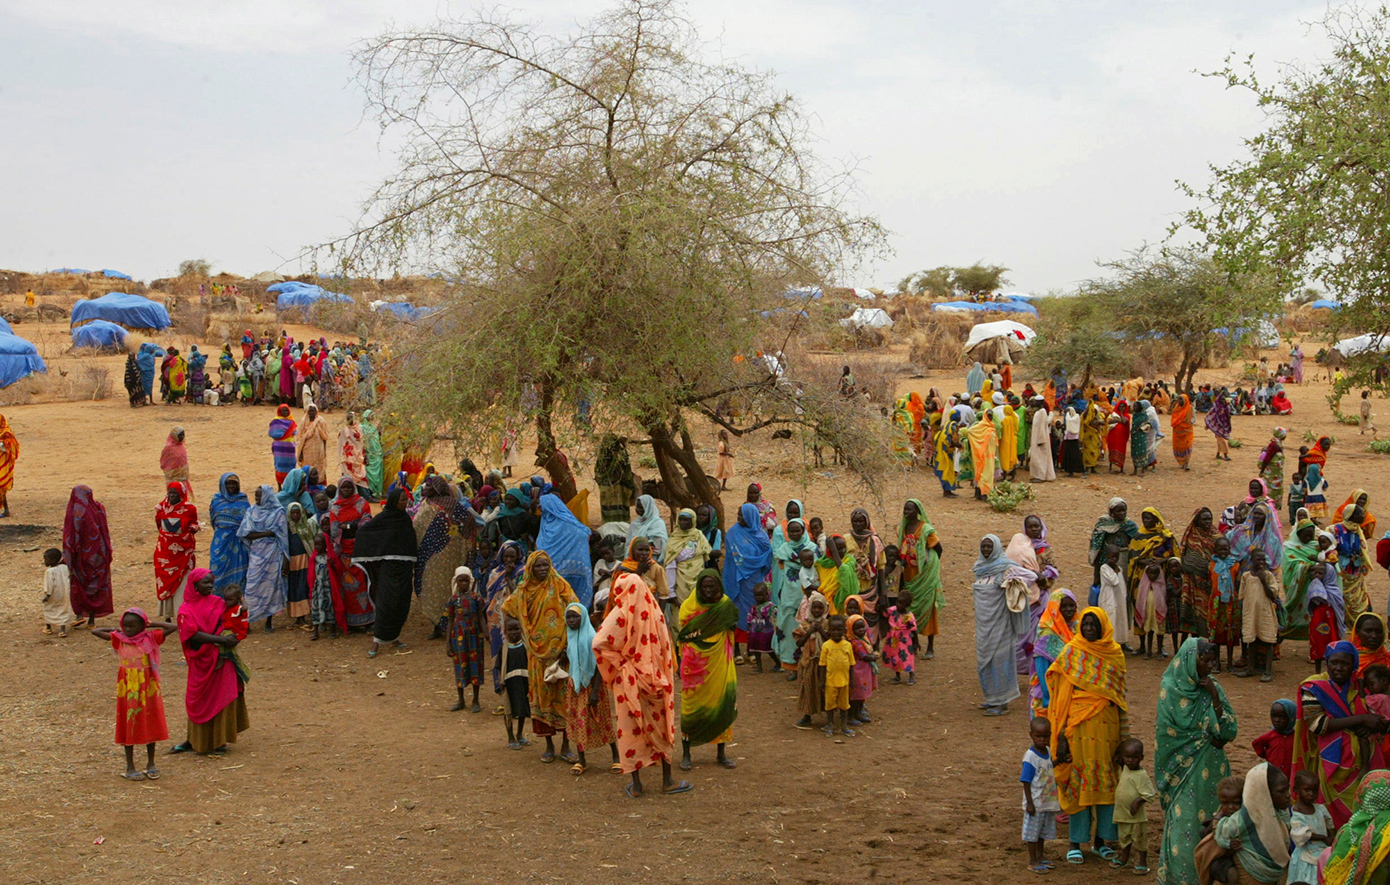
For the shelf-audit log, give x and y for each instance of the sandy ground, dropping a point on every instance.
(355, 771)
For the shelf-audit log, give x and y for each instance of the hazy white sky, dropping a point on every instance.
(1043, 135)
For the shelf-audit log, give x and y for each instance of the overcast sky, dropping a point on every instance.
(1043, 135)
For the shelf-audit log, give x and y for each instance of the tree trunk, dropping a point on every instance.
(686, 483)
(548, 454)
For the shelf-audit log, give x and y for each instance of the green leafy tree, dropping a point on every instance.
(934, 283)
(1307, 201)
(195, 267)
(623, 217)
(1076, 333)
(943, 282)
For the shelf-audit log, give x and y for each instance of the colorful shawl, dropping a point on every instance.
(838, 581)
(1243, 537)
(1362, 848)
(1087, 677)
(926, 585)
(1335, 756)
(227, 555)
(1147, 544)
(686, 552)
(709, 680)
(540, 608)
(1370, 657)
(1368, 520)
(87, 553)
(174, 549)
(1187, 763)
(634, 654)
(1262, 829)
(1218, 420)
(649, 525)
(747, 559)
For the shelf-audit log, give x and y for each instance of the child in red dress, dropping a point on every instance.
(1324, 622)
(235, 621)
(1276, 745)
(139, 701)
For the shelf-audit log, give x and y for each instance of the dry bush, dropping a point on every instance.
(939, 343)
(1153, 359)
(92, 383)
(340, 317)
(190, 317)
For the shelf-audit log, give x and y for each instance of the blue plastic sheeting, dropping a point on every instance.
(5, 327)
(958, 306)
(812, 293)
(98, 333)
(402, 309)
(131, 311)
(1325, 303)
(1011, 307)
(779, 311)
(76, 270)
(302, 295)
(18, 359)
(114, 274)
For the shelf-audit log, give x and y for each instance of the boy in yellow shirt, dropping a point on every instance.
(837, 657)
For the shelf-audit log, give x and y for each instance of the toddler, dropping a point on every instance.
(816, 530)
(1310, 826)
(603, 573)
(57, 609)
(1230, 794)
(139, 701)
(862, 677)
(1225, 603)
(1133, 791)
(235, 623)
(1040, 802)
(1111, 594)
(762, 624)
(1324, 624)
(892, 584)
(809, 633)
(1172, 579)
(516, 682)
(1276, 745)
(1376, 682)
(898, 649)
(321, 608)
(1151, 608)
(837, 657)
(1298, 493)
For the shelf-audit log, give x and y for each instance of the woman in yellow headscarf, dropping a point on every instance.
(1008, 440)
(539, 603)
(984, 453)
(1089, 717)
(1092, 432)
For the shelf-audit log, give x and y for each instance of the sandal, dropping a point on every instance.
(47, 630)
(577, 769)
(1075, 856)
(1041, 869)
(184, 747)
(152, 773)
(133, 775)
(547, 757)
(571, 758)
(682, 787)
(373, 652)
(627, 788)
(1141, 871)
(1105, 852)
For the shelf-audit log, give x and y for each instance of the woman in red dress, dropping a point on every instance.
(175, 551)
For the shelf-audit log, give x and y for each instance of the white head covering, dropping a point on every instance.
(463, 570)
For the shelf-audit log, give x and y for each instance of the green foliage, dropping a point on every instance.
(1007, 495)
(1307, 200)
(1379, 446)
(1074, 333)
(943, 282)
(619, 212)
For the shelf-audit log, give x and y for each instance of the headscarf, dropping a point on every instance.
(540, 607)
(293, 491)
(352, 508)
(211, 686)
(87, 552)
(580, 648)
(926, 587)
(143, 640)
(687, 570)
(515, 503)
(1054, 632)
(1368, 521)
(388, 535)
(634, 653)
(174, 455)
(1218, 419)
(1268, 826)
(1291, 710)
(994, 565)
(1243, 538)
(1097, 668)
(305, 528)
(649, 525)
(267, 516)
(1362, 846)
(566, 541)
(747, 558)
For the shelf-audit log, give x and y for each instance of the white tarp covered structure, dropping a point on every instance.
(1362, 344)
(868, 318)
(999, 341)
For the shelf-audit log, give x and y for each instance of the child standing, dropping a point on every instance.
(603, 574)
(1276, 745)
(1151, 608)
(892, 573)
(1260, 600)
(466, 614)
(837, 657)
(512, 677)
(1311, 828)
(57, 609)
(1298, 493)
(762, 623)
(1133, 791)
(1324, 621)
(1040, 802)
(1225, 602)
(898, 651)
(1376, 682)
(1366, 420)
(321, 590)
(1112, 596)
(588, 702)
(139, 701)
(809, 634)
(862, 678)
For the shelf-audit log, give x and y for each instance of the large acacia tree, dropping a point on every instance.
(621, 216)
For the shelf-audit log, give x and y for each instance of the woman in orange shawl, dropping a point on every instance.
(9, 454)
(984, 453)
(635, 659)
(1182, 427)
(918, 410)
(1359, 498)
(539, 603)
(1089, 716)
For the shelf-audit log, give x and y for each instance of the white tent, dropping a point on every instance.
(866, 294)
(1362, 344)
(269, 276)
(998, 342)
(868, 318)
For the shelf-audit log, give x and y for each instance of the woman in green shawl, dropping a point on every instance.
(371, 446)
(1195, 722)
(1139, 437)
(1300, 553)
(786, 589)
(709, 679)
(919, 549)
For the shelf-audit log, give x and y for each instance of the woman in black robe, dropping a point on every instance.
(387, 547)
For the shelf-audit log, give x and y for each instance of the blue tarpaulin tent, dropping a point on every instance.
(302, 295)
(5, 327)
(1011, 307)
(976, 307)
(98, 333)
(114, 274)
(131, 311)
(1325, 304)
(812, 293)
(18, 359)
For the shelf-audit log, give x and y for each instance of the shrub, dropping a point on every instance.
(1008, 495)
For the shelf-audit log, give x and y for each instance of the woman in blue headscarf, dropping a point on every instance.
(747, 558)
(649, 525)
(786, 587)
(296, 491)
(566, 540)
(266, 532)
(795, 510)
(228, 556)
(146, 361)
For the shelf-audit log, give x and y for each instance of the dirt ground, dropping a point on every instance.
(355, 771)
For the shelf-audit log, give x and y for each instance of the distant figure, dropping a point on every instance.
(9, 455)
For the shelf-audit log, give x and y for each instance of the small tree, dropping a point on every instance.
(1077, 334)
(1182, 295)
(979, 279)
(195, 267)
(622, 217)
(934, 283)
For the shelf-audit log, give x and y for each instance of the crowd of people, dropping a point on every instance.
(975, 438)
(593, 635)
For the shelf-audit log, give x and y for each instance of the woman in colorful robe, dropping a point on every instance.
(227, 554)
(709, 680)
(87, 553)
(175, 550)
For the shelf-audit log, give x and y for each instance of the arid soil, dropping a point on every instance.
(355, 771)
